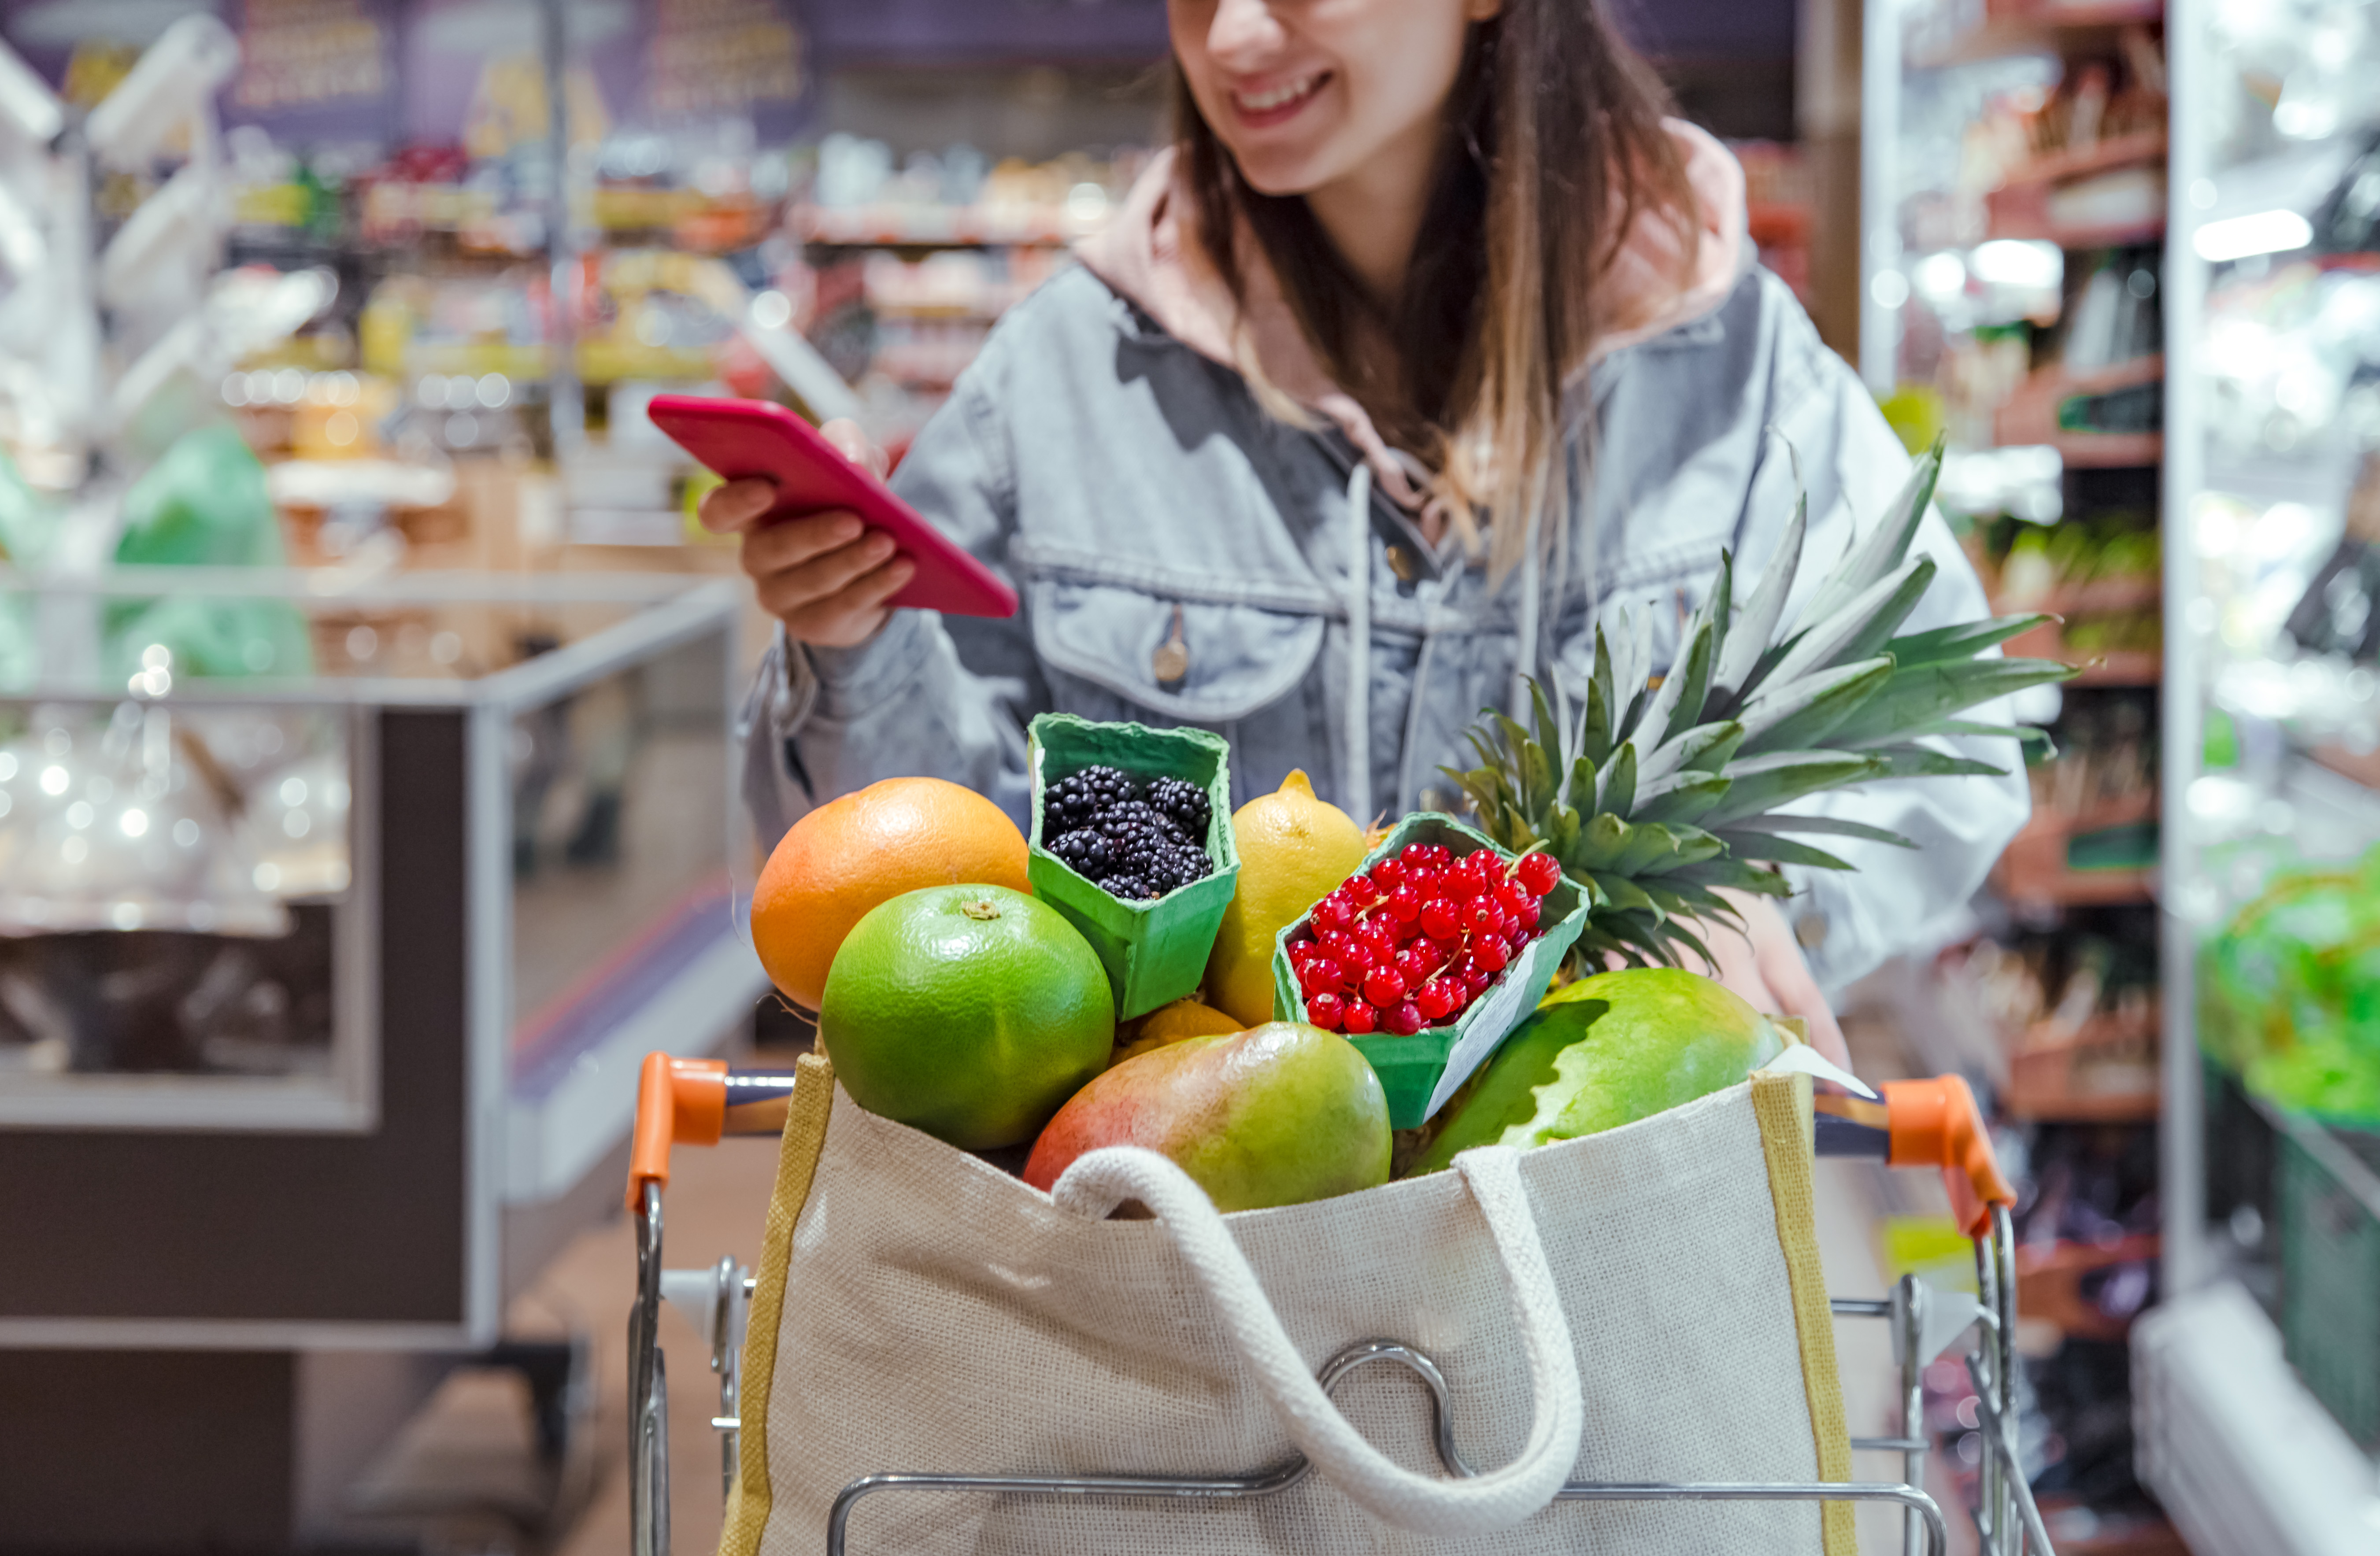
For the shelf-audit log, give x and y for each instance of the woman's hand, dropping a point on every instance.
(826, 576)
(1763, 963)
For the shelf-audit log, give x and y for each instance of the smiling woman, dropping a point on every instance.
(1430, 341)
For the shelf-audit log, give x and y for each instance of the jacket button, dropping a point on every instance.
(1811, 930)
(1170, 663)
(1403, 563)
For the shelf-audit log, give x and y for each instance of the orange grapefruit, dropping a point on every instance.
(868, 847)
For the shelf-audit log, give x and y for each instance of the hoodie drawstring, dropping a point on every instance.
(1358, 766)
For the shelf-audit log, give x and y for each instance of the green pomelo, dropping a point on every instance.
(1278, 1114)
(968, 1012)
(1604, 1051)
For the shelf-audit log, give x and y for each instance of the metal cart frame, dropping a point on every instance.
(1927, 1123)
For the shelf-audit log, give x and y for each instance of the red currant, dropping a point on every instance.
(1389, 873)
(1476, 983)
(1332, 913)
(1404, 1020)
(1384, 987)
(1416, 855)
(1302, 952)
(1481, 916)
(1404, 905)
(1491, 953)
(1412, 965)
(1340, 946)
(1356, 1018)
(1380, 938)
(1326, 1011)
(1435, 998)
(1524, 915)
(1446, 947)
(1539, 872)
(1322, 976)
(1513, 894)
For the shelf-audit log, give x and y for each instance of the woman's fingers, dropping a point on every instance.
(851, 615)
(726, 509)
(1787, 976)
(792, 542)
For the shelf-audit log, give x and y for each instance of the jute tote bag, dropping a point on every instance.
(1643, 1305)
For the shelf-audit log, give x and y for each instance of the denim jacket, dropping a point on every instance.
(1124, 483)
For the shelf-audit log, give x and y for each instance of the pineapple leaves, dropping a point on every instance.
(1682, 797)
(1920, 693)
(1774, 849)
(1617, 792)
(1762, 784)
(1882, 549)
(1924, 762)
(1747, 637)
(1962, 641)
(1823, 826)
(1797, 714)
(1867, 618)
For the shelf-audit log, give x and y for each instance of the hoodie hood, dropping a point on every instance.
(1149, 255)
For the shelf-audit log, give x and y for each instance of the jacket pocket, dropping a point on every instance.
(1234, 657)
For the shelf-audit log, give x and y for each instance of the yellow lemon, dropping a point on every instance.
(1293, 848)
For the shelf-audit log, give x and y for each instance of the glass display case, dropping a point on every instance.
(342, 906)
(2272, 735)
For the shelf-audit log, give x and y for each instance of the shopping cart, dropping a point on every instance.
(1919, 1123)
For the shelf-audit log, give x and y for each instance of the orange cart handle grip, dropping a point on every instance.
(676, 1100)
(1936, 1124)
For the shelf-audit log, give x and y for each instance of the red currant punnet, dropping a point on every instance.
(1326, 1011)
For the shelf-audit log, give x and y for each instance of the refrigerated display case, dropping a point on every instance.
(322, 992)
(2260, 1381)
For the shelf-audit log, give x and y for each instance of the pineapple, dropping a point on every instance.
(1660, 790)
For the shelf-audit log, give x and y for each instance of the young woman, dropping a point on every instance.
(1429, 339)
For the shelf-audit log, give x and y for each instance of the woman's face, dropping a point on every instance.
(1307, 92)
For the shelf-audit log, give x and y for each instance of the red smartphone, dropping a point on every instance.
(740, 438)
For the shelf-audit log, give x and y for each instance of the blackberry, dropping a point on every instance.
(1131, 887)
(1079, 798)
(1185, 802)
(1085, 850)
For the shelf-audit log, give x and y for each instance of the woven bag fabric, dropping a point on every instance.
(920, 1310)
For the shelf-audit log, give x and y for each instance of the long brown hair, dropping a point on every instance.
(1553, 145)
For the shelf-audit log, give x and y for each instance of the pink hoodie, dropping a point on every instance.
(1145, 255)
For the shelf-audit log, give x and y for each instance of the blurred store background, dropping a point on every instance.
(366, 686)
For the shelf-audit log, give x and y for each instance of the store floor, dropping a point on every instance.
(716, 1203)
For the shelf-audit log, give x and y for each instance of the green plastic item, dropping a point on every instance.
(204, 504)
(1155, 951)
(1421, 1072)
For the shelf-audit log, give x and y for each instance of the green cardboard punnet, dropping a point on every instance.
(1154, 951)
(1421, 1072)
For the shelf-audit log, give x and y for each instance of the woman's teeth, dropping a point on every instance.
(1278, 97)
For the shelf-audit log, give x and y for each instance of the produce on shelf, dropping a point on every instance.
(1293, 848)
(1278, 1114)
(852, 854)
(1418, 938)
(1604, 1051)
(969, 1012)
(1659, 792)
(2289, 992)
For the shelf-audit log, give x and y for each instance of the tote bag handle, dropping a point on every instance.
(1100, 1179)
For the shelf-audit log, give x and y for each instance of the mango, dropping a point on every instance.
(1279, 1114)
(1604, 1051)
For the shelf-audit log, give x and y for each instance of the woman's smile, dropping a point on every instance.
(1265, 104)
